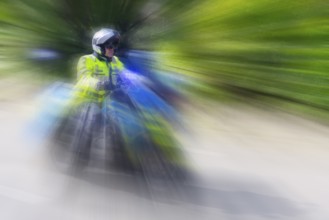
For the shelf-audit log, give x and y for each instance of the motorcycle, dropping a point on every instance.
(140, 138)
(133, 127)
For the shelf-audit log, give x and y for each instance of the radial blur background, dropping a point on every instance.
(272, 52)
(240, 67)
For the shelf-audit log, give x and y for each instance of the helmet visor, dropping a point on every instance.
(113, 44)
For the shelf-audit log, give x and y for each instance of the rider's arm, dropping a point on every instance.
(119, 66)
(85, 76)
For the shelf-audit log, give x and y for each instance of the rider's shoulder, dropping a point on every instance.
(116, 60)
(88, 57)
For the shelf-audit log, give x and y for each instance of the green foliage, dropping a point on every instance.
(262, 49)
(63, 28)
(256, 49)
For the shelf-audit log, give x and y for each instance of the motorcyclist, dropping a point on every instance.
(134, 129)
(99, 72)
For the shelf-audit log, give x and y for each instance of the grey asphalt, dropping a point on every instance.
(249, 164)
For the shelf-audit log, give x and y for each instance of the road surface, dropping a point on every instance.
(248, 164)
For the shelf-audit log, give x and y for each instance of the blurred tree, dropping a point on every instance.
(52, 33)
(270, 51)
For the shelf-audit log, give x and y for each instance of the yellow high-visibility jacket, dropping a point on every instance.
(90, 71)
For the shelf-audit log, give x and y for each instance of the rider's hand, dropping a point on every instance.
(104, 85)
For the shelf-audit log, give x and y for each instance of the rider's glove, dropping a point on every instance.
(104, 85)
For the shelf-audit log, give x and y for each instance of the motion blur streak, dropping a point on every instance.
(210, 125)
